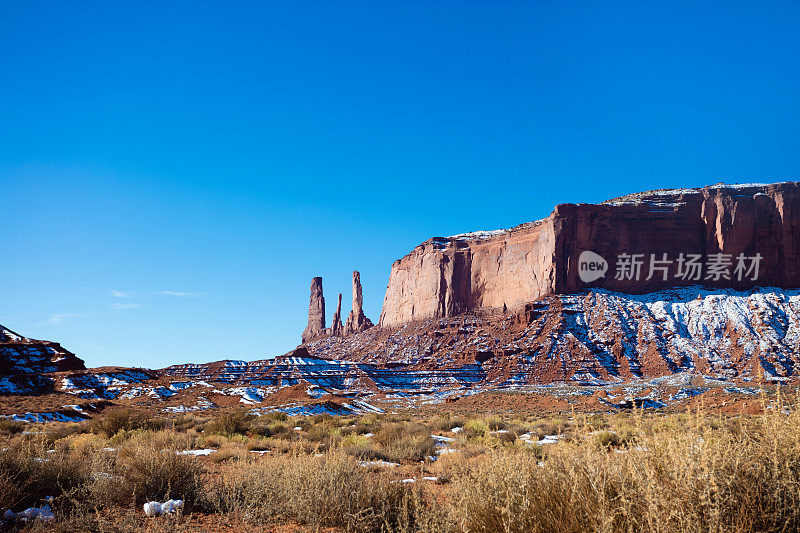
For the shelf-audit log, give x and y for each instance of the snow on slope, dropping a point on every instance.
(723, 333)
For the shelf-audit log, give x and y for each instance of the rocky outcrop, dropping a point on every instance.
(596, 336)
(316, 312)
(336, 326)
(357, 321)
(717, 236)
(25, 362)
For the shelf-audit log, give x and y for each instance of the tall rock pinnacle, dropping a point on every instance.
(316, 312)
(336, 327)
(357, 321)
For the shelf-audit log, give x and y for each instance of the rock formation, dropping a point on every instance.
(485, 271)
(316, 312)
(597, 336)
(357, 321)
(24, 363)
(336, 327)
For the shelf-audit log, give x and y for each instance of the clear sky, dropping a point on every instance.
(173, 174)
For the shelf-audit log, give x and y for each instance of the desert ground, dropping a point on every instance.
(490, 462)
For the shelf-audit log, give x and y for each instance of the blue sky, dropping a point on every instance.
(174, 174)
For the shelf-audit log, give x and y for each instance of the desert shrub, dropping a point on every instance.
(393, 418)
(280, 429)
(230, 452)
(475, 429)
(495, 423)
(187, 422)
(606, 439)
(274, 416)
(445, 422)
(58, 431)
(236, 422)
(81, 446)
(161, 439)
(404, 442)
(10, 427)
(329, 491)
(345, 431)
(366, 453)
(322, 418)
(700, 478)
(261, 428)
(362, 448)
(144, 471)
(505, 438)
(411, 448)
(389, 434)
(114, 421)
(321, 435)
(212, 441)
(303, 423)
(628, 434)
(542, 428)
(28, 474)
(258, 444)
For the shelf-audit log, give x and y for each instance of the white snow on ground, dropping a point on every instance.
(198, 453)
(106, 379)
(688, 325)
(548, 439)
(378, 464)
(153, 509)
(45, 417)
(250, 395)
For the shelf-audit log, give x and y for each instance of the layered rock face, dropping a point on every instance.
(721, 236)
(357, 321)
(24, 361)
(316, 311)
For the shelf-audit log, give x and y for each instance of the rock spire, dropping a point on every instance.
(316, 312)
(336, 327)
(357, 321)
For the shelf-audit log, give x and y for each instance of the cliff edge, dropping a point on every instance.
(719, 236)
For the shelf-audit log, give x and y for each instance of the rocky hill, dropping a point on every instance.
(601, 337)
(720, 236)
(24, 363)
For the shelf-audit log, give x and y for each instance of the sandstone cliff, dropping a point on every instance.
(487, 271)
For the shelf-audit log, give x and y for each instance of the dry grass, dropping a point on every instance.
(28, 474)
(610, 473)
(327, 491)
(237, 422)
(700, 478)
